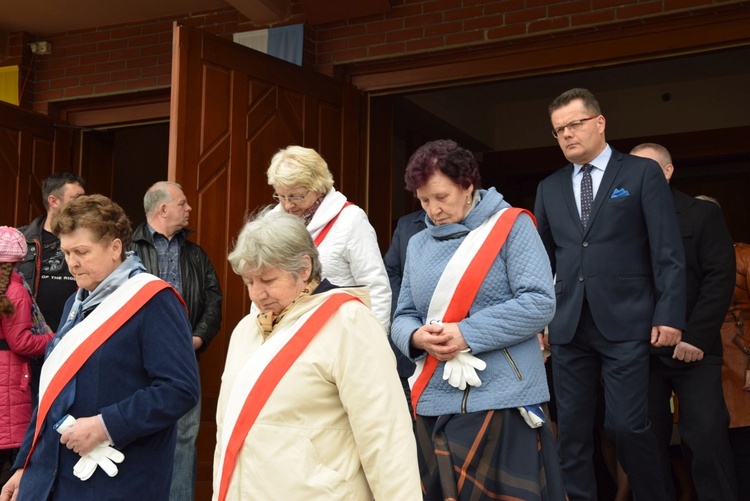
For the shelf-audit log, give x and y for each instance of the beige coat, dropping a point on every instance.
(337, 425)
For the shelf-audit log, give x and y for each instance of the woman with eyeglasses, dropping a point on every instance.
(344, 237)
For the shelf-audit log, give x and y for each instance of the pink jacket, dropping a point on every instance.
(17, 345)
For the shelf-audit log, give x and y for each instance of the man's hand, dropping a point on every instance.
(687, 352)
(442, 341)
(197, 342)
(84, 435)
(664, 335)
(10, 489)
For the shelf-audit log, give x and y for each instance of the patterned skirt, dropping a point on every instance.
(487, 455)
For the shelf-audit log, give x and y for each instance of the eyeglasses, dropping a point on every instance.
(573, 126)
(290, 200)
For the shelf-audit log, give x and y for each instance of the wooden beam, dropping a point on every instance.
(263, 11)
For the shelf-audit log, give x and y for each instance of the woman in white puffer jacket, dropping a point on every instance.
(345, 239)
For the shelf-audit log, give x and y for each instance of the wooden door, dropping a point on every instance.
(232, 109)
(31, 148)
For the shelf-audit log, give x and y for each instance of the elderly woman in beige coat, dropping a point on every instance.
(310, 405)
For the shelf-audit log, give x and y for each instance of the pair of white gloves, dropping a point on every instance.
(103, 455)
(462, 370)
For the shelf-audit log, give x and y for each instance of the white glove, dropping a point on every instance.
(103, 455)
(533, 415)
(462, 370)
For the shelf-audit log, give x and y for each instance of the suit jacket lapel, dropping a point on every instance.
(605, 187)
(568, 195)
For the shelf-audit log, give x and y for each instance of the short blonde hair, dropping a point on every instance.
(274, 239)
(300, 166)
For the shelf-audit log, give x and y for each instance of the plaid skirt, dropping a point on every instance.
(487, 455)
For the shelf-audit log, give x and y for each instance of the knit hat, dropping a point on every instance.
(12, 245)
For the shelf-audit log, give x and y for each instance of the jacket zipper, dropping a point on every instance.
(513, 364)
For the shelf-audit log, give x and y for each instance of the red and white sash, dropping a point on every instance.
(259, 377)
(460, 282)
(324, 231)
(75, 348)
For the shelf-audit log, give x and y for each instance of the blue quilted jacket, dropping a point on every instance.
(515, 301)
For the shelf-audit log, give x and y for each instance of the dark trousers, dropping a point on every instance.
(623, 368)
(739, 439)
(703, 422)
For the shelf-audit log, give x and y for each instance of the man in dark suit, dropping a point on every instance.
(692, 368)
(610, 230)
(394, 259)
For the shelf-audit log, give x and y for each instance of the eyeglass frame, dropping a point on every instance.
(292, 200)
(573, 125)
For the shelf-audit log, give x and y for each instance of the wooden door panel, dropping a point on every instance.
(31, 148)
(232, 109)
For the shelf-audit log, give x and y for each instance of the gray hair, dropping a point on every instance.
(664, 157)
(274, 239)
(300, 166)
(158, 194)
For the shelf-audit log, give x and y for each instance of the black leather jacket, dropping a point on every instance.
(32, 261)
(200, 286)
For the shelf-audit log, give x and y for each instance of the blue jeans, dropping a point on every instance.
(183, 475)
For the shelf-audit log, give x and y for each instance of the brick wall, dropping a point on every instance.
(137, 56)
(419, 26)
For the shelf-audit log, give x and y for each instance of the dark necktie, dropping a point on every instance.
(587, 194)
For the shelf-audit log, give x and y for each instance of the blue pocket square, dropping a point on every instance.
(620, 192)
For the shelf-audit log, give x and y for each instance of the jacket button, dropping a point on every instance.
(580, 278)
(585, 244)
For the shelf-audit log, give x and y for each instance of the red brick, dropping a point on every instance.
(387, 25)
(85, 90)
(504, 6)
(160, 48)
(40, 86)
(523, 16)
(222, 17)
(157, 70)
(49, 74)
(443, 29)
(61, 83)
(160, 27)
(569, 8)
(424, 44)
(465, 13)
(164, 80)
(423, 20)
(112, 45)
(125, 74)
(94, 78)
(142, 62)
(325, 58)
(502, 32)
(109, 88)
(347, 31)
(111, 66)
(406, 11)
(126, 32)
(64, 41)
(117, 55)
(94, 37)
(640, 10)
(96, 57)
(670, 5)
(484, 22)
(598, 17)
(63, 62)
(603, 4)
(367, 40)
(465, 38)
(401, 35)
(350, 55)
(165, 58)
(81, 69)
(386, 49)
(441, 5)
(48, 95)
(141, 83)
(77, 49)
(546, 3)
(143, 40)
(549, 24)
(333, 45)
(475, 2)
(325, 69)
